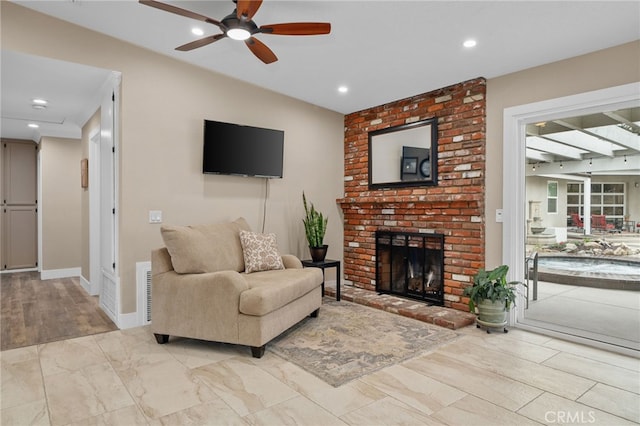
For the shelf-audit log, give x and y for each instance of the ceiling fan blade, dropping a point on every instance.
(179, 11)
(297, 28)
(248, 8)
(261, 50)
(199, 43)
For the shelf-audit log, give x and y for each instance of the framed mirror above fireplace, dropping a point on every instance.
(405, 155)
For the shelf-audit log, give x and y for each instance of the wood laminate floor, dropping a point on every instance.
(35, 311)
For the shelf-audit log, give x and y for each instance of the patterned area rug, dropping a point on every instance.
(348, 340)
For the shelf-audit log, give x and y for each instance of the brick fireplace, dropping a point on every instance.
(453, 208)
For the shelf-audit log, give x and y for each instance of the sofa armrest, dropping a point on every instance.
(201, 306)
(291, 262)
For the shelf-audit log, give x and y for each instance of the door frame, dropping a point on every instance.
(514, 227)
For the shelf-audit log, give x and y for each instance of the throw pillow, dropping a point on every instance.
(198, 249)
(260, 252)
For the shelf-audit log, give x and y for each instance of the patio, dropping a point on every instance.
(611, 316)
(606, 315)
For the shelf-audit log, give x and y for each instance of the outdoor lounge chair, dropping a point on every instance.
(599, 222)
(576, 221)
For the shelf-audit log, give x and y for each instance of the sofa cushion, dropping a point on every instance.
(205, 248)
(260, 252)
(271, 290)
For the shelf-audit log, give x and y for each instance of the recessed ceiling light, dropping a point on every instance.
(197, 31)
(33, 125)
(343, 89)
(39, 106)
(39, 101)
(469, 43)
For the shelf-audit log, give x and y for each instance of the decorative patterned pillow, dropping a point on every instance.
(260, 252)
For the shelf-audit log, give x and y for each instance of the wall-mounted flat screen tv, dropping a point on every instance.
(233, 149)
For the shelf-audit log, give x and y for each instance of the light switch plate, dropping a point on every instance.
(155, 216)
(499, 215)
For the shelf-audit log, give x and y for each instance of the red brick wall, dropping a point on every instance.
(455, 207)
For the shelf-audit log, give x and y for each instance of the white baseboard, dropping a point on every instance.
(128, 320)
(51, 274)
(11, 271)
(86, 285)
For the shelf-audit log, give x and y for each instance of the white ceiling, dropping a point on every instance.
(72, 90)
(381, 50)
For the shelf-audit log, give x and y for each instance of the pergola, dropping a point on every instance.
(580, 148)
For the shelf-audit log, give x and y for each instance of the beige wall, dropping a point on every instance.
(606, 68)
(60, 203)
(164, 103)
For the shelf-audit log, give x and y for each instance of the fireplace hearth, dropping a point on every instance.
(410, 265)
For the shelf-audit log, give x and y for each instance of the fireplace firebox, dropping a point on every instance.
(410, 265)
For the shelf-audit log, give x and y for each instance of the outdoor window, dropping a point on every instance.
(606, 198)
(552, 197)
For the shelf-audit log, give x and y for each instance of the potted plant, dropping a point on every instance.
(491, 297)
(315, 226)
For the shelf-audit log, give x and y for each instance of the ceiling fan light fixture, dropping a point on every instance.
(238, 34)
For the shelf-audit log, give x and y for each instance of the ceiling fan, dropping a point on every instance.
(239, 25)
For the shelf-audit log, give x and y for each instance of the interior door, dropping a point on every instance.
(108, 277)
(21, 238)
(19, 210)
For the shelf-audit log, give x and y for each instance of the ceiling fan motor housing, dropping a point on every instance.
(231, 21)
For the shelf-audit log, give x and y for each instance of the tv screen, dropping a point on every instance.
(232, 149)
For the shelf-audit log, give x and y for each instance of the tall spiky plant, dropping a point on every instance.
(315, 225)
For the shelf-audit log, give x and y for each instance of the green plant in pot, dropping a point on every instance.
(491, 297)
(315, 226)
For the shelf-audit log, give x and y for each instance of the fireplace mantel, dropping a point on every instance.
(410, 199)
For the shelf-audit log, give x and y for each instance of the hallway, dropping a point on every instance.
(35, 311)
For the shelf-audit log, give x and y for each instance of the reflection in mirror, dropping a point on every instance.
(404, 155)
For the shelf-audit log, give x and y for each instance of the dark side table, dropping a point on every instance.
(327, 263)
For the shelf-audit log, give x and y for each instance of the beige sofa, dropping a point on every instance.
(200, 289)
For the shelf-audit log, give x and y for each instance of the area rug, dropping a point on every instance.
(348, 341)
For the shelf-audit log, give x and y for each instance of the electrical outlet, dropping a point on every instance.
(155, 216)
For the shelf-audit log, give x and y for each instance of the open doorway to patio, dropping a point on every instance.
(580, 203)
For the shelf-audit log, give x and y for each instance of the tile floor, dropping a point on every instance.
(125, 378)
